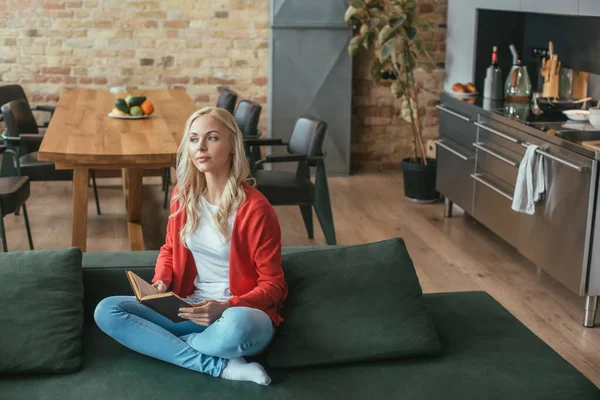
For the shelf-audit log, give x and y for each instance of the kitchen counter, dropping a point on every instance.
(480, 147)
(567, 133)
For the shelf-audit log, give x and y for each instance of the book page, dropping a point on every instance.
(145, 289)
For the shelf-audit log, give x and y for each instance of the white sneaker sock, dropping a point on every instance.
(238, 369)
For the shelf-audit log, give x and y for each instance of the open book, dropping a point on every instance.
(167, 304)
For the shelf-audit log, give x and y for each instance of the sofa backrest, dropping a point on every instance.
(104, 273)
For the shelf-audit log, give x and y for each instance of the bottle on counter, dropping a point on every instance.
(492, 84)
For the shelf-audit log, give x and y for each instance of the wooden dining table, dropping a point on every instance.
(81, 136)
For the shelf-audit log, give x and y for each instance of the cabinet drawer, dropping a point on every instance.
(496, 161)
(457, 125)
(455, 164)
(492, 201)
(501, 135)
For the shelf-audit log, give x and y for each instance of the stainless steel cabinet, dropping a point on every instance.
(556, 236)
(456, 123)
(455, 164)
(492, 207)
(456, 154)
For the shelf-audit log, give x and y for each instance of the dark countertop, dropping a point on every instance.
(520, 116)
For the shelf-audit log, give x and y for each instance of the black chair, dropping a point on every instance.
(227, 100)
(14, 192)
(247, 115)
(10, 93)
(283, 188)
(24, 137)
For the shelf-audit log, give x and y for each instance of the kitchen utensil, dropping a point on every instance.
(550, 72)
(595, 117)
(582, 100)
(555, 104)
(579, 84)
(517, 87)
(577, 115)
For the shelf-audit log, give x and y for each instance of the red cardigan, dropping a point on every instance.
(255, 274)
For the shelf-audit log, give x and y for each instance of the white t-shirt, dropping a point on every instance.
(211, 254)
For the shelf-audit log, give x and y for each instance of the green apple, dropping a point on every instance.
(136, 111)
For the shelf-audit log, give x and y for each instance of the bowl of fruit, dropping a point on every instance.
(132, 107)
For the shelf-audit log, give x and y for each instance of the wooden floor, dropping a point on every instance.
(450, 255)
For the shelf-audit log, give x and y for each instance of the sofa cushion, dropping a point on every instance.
(41, 318)
(352, 303)
(489, 354)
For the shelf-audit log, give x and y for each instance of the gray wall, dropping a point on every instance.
(310, 73)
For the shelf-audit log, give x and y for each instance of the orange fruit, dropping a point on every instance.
(147, 107)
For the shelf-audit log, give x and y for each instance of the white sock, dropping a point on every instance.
(238, 369)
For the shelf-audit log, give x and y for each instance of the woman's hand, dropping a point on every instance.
(160, 286)
(204, 313)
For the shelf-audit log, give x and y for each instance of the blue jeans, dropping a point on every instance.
(240, 331)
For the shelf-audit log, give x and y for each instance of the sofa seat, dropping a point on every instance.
(488, 354)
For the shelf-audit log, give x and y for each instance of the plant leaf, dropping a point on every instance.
(410, 78)
(353, 15)
(376, 68)
(357, 3)
(369, 40)
(397, 21)
(380, 16)
(424, 25)
(385, 33)
(407, 104)
(418, 42)
(388, 49)
(354, 45)
(397, 89)
(410, 32)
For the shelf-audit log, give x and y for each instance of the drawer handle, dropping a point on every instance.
(494, 154)
(541, 152)
(495, 132)
(451, 150)
(457, 115)
(494, 188)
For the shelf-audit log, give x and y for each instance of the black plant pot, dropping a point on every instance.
(419, 181)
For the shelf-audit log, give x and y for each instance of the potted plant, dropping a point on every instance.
(390, 28)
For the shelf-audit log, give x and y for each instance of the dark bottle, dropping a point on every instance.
(492, 85)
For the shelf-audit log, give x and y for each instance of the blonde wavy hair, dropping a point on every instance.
(192, 182)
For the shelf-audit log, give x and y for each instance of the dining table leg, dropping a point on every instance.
(80, 208)
(134, 208)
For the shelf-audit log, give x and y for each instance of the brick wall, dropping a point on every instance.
(200, 45)
(197, 44)
(380, 137)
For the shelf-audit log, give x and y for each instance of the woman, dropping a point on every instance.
(222, 253)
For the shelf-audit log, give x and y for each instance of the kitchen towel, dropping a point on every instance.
(531, 182)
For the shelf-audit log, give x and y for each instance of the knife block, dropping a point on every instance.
(550, 88)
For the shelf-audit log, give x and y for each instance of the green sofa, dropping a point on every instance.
(488, 354)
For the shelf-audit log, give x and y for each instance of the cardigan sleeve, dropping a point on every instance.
(164, 264)
(271, 289)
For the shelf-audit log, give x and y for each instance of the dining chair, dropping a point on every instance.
(14, 192)
(227, 99)
(24, 137)
(247, 115)
(284, 188)
(10, 93)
